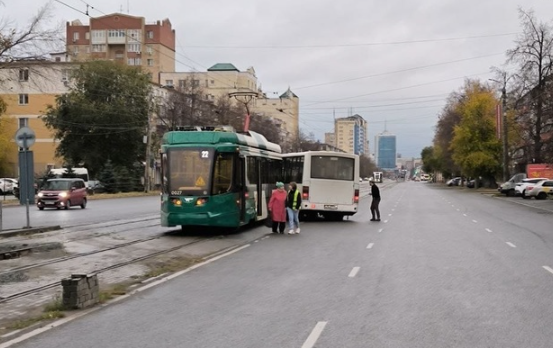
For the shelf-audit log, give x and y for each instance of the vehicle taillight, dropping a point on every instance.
(305, 192)
(356, 196)
(529, 188)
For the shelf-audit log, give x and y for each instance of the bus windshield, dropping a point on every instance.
(332, 168)
(190, 170)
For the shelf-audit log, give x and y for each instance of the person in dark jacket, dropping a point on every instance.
(293, 204)
(375, 192)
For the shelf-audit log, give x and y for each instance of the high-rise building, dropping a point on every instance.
(351, 135)
(124, 38)
(385, 150)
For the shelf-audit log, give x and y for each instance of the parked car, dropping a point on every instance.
(7, 185)
(521, 187)
(454, 181)
(62, 193)
(540, 190)
(508, 187)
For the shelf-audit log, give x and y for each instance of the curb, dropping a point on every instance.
(28, 231)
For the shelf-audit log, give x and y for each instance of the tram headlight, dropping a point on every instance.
(201, 201)
(176, 201)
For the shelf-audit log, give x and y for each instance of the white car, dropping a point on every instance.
(540, 190)
(520, 188)
(7, 185)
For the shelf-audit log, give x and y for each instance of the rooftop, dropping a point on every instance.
(223, 67)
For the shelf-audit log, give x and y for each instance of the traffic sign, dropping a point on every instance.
(25, 137)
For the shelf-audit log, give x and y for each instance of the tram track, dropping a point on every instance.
(101, 270)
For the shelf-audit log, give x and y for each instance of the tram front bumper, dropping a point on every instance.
(222, 219)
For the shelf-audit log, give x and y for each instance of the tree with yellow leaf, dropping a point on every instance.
(7, 131)
(475, 146)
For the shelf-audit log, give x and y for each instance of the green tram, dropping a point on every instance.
(216, 177)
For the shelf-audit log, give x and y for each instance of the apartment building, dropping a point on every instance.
(222, 79)
(351, 135)
(27, 88)
(124, 38)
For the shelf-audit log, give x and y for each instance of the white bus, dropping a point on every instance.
(328, 182)
(81, 173)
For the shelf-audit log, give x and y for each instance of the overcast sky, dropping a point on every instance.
(392, 62)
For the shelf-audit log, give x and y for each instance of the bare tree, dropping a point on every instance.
(534, 55)
(33, 41)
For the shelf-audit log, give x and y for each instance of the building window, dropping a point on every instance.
(212, 82)
(23, 99)
(75, 50)
(134, 61)
(168, 82)
(133, 35)
(75, 36)
(134, 47)
(150, 34)
(87, 35)
(150, 62)
(116, 33)
(149, 50)
(98, 36)
(23, 122)
(23, 74)
(98, 48)
(182, 83)
(195, 83)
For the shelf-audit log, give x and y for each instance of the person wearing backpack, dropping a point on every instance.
(293, 204)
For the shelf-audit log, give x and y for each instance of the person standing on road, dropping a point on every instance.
(375, 192)
(293, 204)
(277, 208)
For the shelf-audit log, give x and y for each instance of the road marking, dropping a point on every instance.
(389, 214)
(474, 221)
(385, 221)
(370, 245)
(464, 214)
(393, 210)
(314, 335)
(488, 230)
(511, 245)
(458, 209)
(548, 269)
(380, 230)
(353, 272)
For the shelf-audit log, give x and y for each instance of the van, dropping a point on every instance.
(508, 187)
(62, 193)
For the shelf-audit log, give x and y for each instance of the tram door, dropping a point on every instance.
(241, 187)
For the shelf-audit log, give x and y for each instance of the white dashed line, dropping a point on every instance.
(474, 221)
(458, 209)
(314, 335)
(389, 214)
(511, 245)
(353, 272)
(370, 246)
(548, 269)
(380, 230)
(488, 230)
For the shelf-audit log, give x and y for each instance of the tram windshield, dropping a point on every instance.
(190, 171)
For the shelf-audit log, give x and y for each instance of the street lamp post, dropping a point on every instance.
(244, 97)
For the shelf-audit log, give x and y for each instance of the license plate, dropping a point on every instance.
(330, 207)
(49, 203)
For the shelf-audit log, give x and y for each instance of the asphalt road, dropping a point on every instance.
(14, 217)
(444, 268)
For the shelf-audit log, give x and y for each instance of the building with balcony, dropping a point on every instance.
(351, 135)
(124, 38)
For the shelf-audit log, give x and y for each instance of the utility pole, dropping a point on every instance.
(505, 128)
(147, 140)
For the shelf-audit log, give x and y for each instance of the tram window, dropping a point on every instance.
(222, 173)
(252, 172)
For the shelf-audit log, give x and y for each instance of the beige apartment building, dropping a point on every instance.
(351, 135)
(27, 88)
(224, 78)
(128, 39)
